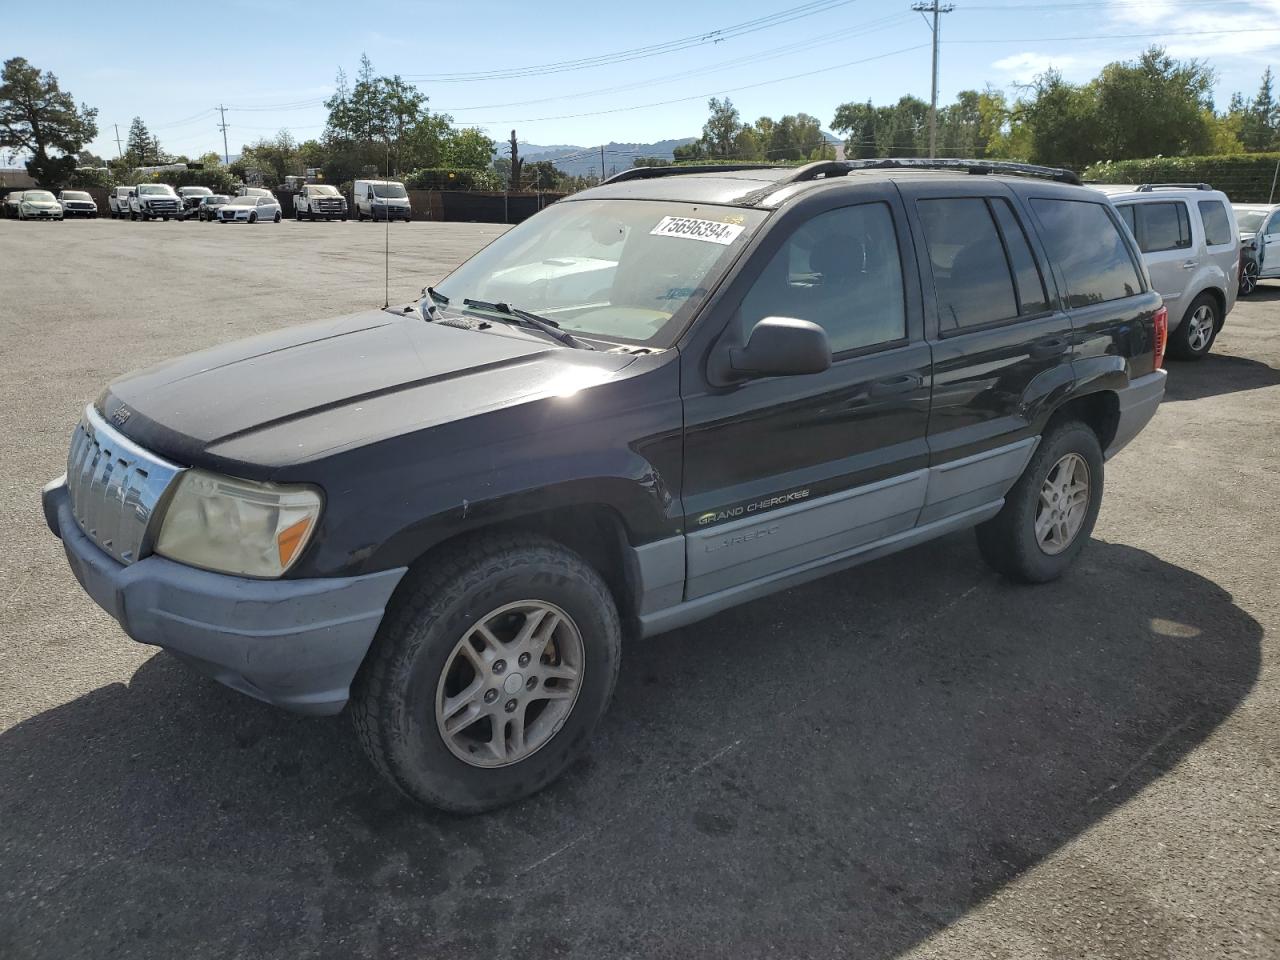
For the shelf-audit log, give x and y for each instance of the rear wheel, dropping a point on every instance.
(1049, 513)
(1196, 333)
(489, 673)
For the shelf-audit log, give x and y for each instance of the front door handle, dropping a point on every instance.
(1044, 349)
(895, 385)
(1189, 264)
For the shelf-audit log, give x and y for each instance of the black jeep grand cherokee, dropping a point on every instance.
(653, 400)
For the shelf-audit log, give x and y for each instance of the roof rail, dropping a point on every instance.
(838, 168)
(647, 173)
(1148, 187)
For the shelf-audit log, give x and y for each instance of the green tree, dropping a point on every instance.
(140, 147)
(1155, 106)
(38, 118)
(1261, 118)
(857, 121)
(645, 162)
(470, 148)
(275, 159)
(721, 127)
(690, 151)
(1061, 122)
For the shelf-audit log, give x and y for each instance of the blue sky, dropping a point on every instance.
(272, 61)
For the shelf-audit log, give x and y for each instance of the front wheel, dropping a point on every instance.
(1049, 513)
(489, 673)
(1199, 328)
(277, 216)
(253, 217)
(1248, 277)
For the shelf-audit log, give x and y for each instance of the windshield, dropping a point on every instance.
(154, 189)
(1250, 220)
(326, 190)
(217, 198)
(197, 191)
(74, 195)
(389, 191)
(244, 202)
(38, 196)
(629, 270)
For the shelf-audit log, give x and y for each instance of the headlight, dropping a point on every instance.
(237, 526)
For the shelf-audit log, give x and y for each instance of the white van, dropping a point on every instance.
(118, 201)
(381, 200)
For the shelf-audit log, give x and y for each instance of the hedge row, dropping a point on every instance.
(1243, 177)
(453, 178)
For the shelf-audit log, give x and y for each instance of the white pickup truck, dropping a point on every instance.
(319, 201)
(150, 201)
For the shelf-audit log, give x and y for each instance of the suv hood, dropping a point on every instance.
(255, 405)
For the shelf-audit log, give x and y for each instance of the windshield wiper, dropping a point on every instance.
(430, 298)
(527, 319)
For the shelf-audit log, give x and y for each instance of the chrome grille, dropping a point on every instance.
(114, 486)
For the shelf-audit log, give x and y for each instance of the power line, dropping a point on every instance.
(636, 53)
(1118, 36)
(713, 93)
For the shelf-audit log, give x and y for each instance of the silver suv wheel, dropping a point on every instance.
(1064, 503)
(510, 683)
(1200, 333)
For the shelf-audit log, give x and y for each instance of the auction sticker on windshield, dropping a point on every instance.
(709, 230)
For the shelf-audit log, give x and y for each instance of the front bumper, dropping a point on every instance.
(1138, 404)
(42, 214)
(295, 644)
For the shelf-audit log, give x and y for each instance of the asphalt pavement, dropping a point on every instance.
(913, 758)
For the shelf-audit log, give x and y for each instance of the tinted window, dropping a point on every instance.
(1031, 293)
(1126, 214)
(1085, 243)
(1217, 226)
(1162, 226)
(841, 271)
(970, 270)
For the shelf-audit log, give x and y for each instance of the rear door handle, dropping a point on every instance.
(1044, 349)
(895, 385)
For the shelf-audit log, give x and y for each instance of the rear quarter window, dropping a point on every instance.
(1088, 248)
(1217, 225)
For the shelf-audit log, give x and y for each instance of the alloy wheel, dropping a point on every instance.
(1201, 330)
(1248, 278)
(1064, 504)
(510, 683)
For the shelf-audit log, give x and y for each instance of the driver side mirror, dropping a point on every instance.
(779, 347)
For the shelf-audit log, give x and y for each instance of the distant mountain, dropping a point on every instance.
(582, 161)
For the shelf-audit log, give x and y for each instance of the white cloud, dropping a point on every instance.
(1019, 68)
(1249, 18)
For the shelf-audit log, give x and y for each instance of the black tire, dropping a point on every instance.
(133, 216)
(1180, 340)
(253, 217)
(276, 219)
(1008, 541)
(393, 700)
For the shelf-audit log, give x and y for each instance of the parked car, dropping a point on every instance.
(77, 203)
(381, 200)
(319, 201)
(1259, 225)
(208, 207)
(451, 513)
(1192, 252)
(39, 205)
(250, 210)
(118, 201)
(11, 201)
(153, 201)
(191, 198)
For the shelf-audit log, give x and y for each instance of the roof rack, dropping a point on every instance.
(1148, 187)
(838, 168)
(647, 173)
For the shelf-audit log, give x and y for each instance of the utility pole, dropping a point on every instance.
(602, 163)
(119, 149)
(226, 153)
(935, 8)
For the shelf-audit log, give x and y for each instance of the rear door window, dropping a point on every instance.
(1088, 247)
(983, 268)
(1217, 225)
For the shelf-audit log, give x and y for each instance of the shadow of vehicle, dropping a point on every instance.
(1267, 291)
(1216, 374)
(843, 769)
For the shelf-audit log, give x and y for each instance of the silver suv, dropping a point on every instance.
(1259, 225)
(1191, 248)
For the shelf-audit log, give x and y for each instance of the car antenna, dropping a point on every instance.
(386, 244)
